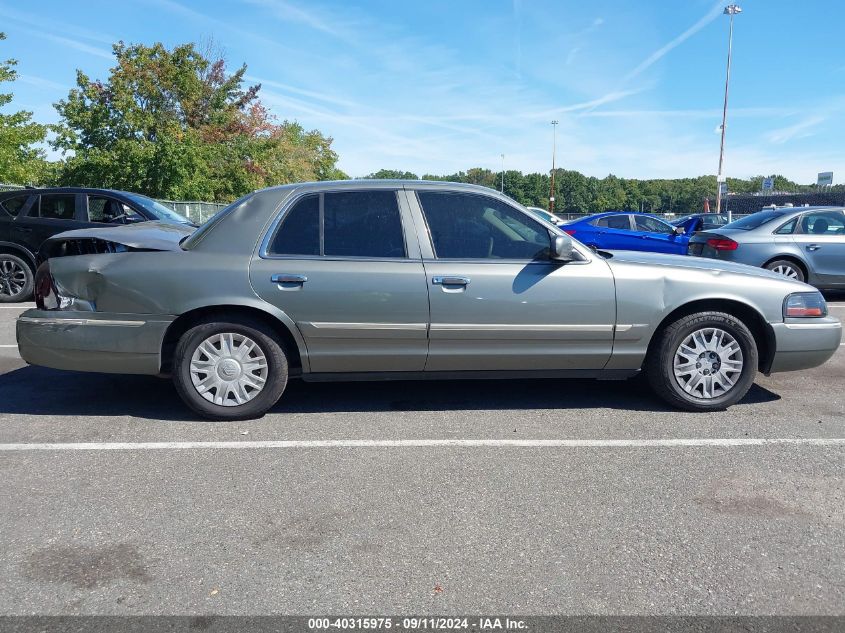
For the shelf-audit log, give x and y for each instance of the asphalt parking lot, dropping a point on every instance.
(529, 497)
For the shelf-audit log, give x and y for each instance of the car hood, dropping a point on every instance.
(152, 236)
(686, 262)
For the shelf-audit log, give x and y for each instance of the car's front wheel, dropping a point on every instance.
(16, 279)
(230, 370)
(703, 362)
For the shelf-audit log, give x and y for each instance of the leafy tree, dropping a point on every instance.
(20, 162)
(393, 174)
(175, 124)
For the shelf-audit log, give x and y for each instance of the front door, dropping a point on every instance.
(346, 268)
(497, 301)
(659, 236)
(821, 237)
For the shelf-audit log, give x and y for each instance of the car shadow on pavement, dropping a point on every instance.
(41, 391)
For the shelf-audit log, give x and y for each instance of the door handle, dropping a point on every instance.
(448, 280)
(24, 229)
(813, 247)
(283, 278)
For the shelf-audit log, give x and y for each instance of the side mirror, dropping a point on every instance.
(679, 230)
(561, 249)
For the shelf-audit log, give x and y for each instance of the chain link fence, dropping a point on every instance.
(195, 210)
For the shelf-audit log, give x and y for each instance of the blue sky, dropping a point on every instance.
(436, 87)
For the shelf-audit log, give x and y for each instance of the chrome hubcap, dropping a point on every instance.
(708, 363)
(787, 271)
(228, 369)
(12, 278)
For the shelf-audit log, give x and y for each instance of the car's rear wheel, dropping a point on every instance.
(16, 279)
(230, 370)
(703, 362)
(787, 269)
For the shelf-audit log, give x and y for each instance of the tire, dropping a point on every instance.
(229, 390)
(787, 268)
(16, 279)
(689, 390)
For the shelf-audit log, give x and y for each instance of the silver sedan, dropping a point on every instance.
(400, 280)
(806, 244)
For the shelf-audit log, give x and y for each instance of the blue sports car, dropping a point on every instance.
(625, 231)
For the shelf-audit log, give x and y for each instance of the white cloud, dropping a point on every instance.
(802, 129)
(661, 52)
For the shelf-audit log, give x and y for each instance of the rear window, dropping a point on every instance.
(58, 206)
(755, 220)
(619, 222)
(14, 204)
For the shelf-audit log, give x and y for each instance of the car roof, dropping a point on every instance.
(366, 183)
(42, 190)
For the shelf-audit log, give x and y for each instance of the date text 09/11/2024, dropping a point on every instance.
(417, 623)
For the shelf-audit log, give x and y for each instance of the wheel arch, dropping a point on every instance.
(764, 335)
(10, 248)
(790, 258)
(284, 328)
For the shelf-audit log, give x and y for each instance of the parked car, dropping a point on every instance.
(700, 222)
(545, 215)
(628, 232)
(30, 216)
(806, 244)
(404, 280)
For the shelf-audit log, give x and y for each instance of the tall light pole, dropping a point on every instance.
(503, 173)
(730, 10)
(552, 184)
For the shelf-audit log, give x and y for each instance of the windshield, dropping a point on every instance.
(157, 209)
(754, 220)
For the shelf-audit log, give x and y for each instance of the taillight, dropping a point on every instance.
(722, 244)
(570, 231)
(46, 297)
(804, 304)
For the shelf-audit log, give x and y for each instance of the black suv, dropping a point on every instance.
(30, 216)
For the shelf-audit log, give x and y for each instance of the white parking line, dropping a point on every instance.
(478, 443)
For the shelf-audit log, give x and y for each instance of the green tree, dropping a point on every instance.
(20, 161)
(175, 124)
(393, 174)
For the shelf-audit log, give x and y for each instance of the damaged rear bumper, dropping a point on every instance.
(90, 341)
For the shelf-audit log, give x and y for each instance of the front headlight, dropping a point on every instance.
(804, 305)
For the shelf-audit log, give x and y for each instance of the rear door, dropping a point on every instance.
(821, 237)
(346, 267)
(50, 213)
(497, 301)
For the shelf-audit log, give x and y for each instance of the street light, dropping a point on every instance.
(730, 10)
(503, 173)
(552, 184)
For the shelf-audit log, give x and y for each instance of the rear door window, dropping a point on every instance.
(58, 206)
(620, 222)
(362, 224)
(342, 224)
